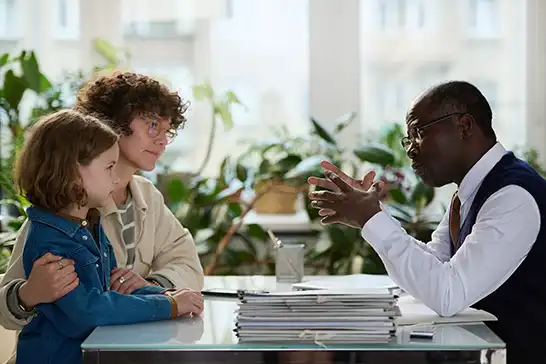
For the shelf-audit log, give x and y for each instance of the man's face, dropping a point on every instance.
(433, 144)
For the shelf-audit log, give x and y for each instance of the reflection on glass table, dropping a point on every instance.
(210, 338)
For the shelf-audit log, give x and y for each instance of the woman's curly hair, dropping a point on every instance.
(119, 97)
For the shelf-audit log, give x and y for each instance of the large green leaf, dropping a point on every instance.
(14, 88)
(308, 167)
(286, 164)
(344, 122)
(4, 59)
(203, 92)
(177, 191)
(398, 196)
(233, 188)
(422, 195)
(241, 172)
(322, 133)
(222, 109)
(31, 72)
(231, 98)
(107, 51)
(376, 154)
(250, 246)
(257, 231)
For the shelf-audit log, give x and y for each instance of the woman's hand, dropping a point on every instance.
(125, 281)
(188, 301)
(51, 278)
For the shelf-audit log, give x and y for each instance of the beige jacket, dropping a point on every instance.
(163, 246)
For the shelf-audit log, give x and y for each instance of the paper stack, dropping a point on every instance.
(317, 316)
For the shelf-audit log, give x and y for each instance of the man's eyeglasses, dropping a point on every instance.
(415, 134)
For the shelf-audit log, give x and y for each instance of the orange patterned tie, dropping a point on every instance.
(455, 219)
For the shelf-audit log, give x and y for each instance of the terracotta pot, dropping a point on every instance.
(279, 198)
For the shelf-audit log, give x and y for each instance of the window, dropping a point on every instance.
(489, 90)
(9, 19)
(400, 15)
(392, 99)
(68, 19)
(483, 18)
(415, 15)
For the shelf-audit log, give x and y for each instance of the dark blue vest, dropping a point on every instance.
(519, 303)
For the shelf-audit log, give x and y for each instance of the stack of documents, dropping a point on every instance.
(317, 316)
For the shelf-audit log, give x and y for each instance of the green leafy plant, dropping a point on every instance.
(6, 246)
(292, 159)
(220, 108)
(210, 208)
(341, 250)
(20, 74)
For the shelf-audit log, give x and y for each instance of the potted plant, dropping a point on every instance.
(282, 164)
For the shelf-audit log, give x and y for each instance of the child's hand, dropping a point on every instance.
(188, 301)
(125, 281)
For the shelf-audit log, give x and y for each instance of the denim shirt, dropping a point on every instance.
(56, 333)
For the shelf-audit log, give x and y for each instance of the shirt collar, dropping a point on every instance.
(477, 173)
(93, 218)
(62, 222)
(136, 194)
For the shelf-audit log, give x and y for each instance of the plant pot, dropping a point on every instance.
(277, 198)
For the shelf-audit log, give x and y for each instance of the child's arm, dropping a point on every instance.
(139, 291)
(86, 307)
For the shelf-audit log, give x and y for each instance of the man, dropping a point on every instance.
(150, 244)
(489, 250)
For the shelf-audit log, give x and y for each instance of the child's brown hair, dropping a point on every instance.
(46, 171)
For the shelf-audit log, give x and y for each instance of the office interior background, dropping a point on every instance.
(287, 60)
(290, 61)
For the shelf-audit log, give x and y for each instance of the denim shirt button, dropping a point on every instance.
(105, 255)
(84, 237)
(97, 265)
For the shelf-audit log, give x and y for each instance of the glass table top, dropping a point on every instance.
(214, 329)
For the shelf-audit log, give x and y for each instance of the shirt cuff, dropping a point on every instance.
(380, 228)
(14, 305)
(162, 281)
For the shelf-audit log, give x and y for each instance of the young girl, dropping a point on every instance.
(66, 171)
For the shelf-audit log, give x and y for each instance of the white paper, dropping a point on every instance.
(352, 281)
(415, 312)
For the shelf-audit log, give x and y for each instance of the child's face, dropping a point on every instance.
(146, 144)
(99, 177)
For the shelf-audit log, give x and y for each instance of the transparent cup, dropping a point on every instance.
(289, 263)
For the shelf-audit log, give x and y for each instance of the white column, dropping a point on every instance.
(99, 19)
(334, 63)
(536, 77)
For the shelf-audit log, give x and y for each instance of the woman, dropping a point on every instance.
(150, 245)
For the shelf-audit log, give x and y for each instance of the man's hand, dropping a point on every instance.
(51, 278)
(365, 184)
(346, 204)
(125, 281)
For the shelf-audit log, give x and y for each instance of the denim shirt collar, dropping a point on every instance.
(49, 218)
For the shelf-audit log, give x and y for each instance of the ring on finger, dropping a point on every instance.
(121, 280)
(60, 263)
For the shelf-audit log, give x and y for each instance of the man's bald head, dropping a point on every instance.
(458, 97)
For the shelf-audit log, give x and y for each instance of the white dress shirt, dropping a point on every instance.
(506, 228)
